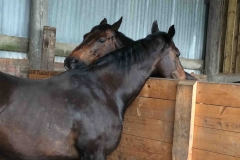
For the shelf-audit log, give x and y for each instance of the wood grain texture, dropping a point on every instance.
(231, 40)
(216, 28)
(184, 120)
(148, 128)
(218, 117)
(238, 51)
(218, 141)
(160, 88)
(218, 94)
(152, 108)
(142, 148)
(205, 155)
(48, 48)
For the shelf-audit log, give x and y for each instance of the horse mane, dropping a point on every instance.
(134, 52)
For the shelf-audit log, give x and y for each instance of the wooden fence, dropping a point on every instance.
(180, 120)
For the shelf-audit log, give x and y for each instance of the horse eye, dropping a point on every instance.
(102, 40)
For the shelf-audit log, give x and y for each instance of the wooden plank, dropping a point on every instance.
(218, 141)
(205, 155)
(218, 94)
(48, 48)
(218, 117)
(238, 51)
(216, 28)
(226, 78)
(231, 41)
(160, 88)
(148, 128)
(122, 156)
(184, 120)
(13, 44)
(195, 64)
(144, 148)
(152, 108)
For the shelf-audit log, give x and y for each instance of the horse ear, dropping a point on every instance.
(104, 21)
(117, 24)
(155, 27)
(171, 32)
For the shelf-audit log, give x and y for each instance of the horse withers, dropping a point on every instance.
(105, 38)
(79, 113)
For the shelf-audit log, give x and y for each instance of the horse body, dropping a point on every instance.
(77, 114)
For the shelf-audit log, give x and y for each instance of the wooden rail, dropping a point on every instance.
(19, 44)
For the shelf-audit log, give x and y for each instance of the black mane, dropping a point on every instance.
(135, 52)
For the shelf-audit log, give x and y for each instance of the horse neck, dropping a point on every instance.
(129, 82)
(121, 40)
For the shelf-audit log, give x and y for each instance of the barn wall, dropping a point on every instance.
(74, 19)
(78, 17)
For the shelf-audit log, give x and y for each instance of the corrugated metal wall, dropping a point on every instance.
(14, 21)
(73, 18)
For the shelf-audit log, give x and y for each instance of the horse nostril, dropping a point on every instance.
(74, 60)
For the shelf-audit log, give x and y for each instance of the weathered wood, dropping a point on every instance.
(218, 141)
(152, 108)
(231, 37)
(160, 88)
(218, 94)
(144, 148)
(38, 19)
(48, 48)
(217, 117)
(226, 78)
(195, 64)
(238, 51)
(148, 128)
(215, 37)
(19, 44)
(184, 120)
(205, 155)
(13, 44)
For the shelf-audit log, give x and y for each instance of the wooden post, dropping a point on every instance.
(238, 50)
(231, 37)
(38, 19)
(48, 50)
(184, 120)
(215, 37)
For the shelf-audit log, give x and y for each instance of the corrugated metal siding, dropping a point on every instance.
(14, 21)
(74, 19)
(14, 17)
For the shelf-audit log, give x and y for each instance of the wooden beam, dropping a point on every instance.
(64, 49)
(13, 44)
(195, 64)
(184, 120)
(38, 19)
(226, 78)
(215, 37)
(231, 37)
(238, 51)
(48, 51)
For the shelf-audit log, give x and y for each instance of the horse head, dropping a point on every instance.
(100, 41)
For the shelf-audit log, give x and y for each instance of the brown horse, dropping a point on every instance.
(79, 113)
(105, 38)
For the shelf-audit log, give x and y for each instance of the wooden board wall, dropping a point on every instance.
(148, 123)
(230, 63)
(217, 122)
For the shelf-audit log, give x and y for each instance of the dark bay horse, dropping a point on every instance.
(105, 38)
(79, 113)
